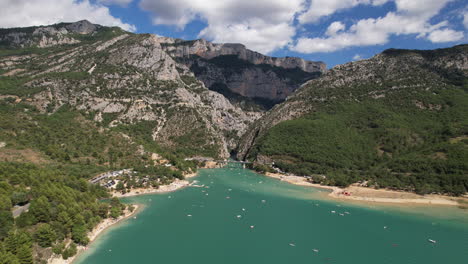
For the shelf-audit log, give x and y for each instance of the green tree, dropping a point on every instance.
(40, 209)
(120, 186)
(115, 212)
(5, 203)
(24, 254)
(69, 251)
(6, 223)
(80, 234)
(8, 258)
(45, 235)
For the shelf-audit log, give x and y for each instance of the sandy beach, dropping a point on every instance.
(175, 185)
(358, 193)
(92, 235)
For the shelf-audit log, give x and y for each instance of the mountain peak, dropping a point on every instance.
(82, 27)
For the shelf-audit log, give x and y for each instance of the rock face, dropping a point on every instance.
(208, 50)
(235, 71)
(385, 75)
(82, 27)
(46, 36)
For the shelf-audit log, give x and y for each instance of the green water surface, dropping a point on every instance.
(288, 221)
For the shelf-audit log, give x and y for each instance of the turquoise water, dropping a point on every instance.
(288, 221)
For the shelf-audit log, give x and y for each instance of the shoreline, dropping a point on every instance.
(94, 234)
(365, 194)
(108, 223)
(173, 186)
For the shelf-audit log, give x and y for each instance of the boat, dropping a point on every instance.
(292, 244)
(432, 241)
(315, 250)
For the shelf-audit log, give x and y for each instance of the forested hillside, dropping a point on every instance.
(398, 120)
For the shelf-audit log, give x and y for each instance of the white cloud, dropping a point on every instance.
(445, 35)
(322, 8)
(357, 57)
(262, 25)
(23, 13)
(122, 3)
(334, 28)
(411, 17)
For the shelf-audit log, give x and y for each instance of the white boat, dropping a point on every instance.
(292, 244)
(432, 241)
(315, 250)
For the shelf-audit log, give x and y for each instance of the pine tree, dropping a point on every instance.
(24, 255)
(45, 235)
(40, 208)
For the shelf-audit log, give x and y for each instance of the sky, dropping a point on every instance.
(333, 31)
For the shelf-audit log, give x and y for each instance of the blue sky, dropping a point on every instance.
(333, 31)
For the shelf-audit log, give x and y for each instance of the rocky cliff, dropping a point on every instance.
(239, 73)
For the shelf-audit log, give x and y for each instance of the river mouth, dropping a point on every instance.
(238, 216)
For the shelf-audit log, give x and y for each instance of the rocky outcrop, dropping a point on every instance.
(47, 36)
(82, 27)
(209, 50)
(238, 72)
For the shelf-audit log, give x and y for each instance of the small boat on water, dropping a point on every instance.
(432, 241)
(333, 212)
(315, 250)
(292, 244)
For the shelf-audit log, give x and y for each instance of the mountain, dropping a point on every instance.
(397, 120)
(233, 70)
(158, 84)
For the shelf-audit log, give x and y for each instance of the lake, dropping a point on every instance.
(242, 217)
